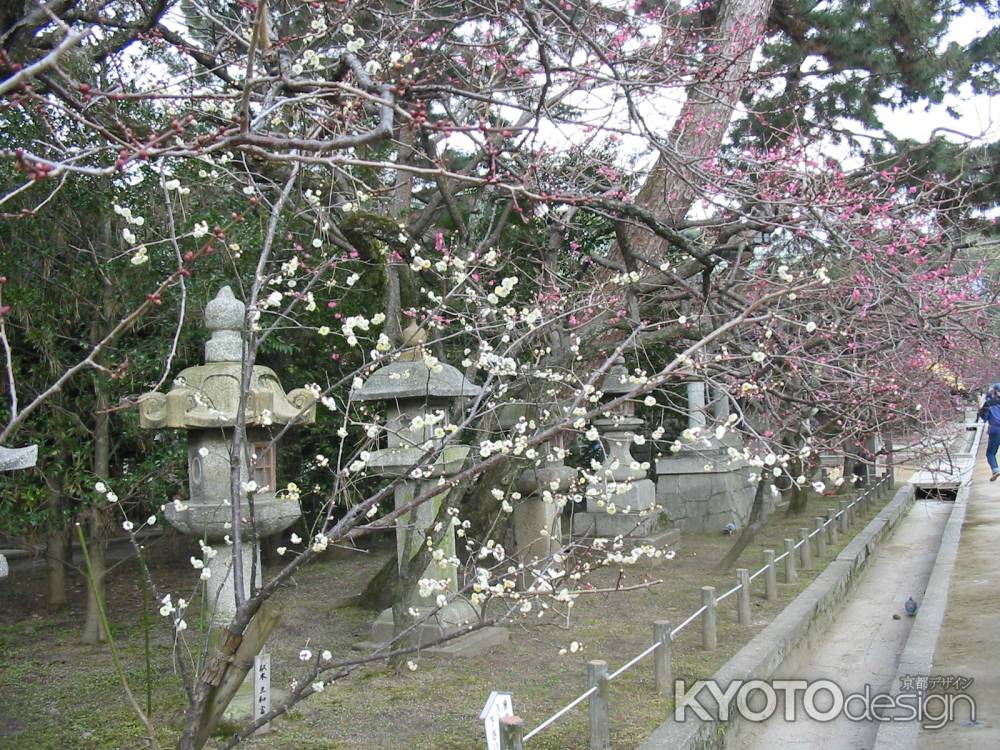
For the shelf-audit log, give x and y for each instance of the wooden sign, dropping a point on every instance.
(498, 705)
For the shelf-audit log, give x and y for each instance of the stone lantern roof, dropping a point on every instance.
(410, 377)
(208, 395)
(616, 381)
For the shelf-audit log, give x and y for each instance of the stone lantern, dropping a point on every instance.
(204, 401)
(15, 459)
(418, 392)
(622, 500)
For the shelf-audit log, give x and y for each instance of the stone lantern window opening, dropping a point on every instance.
(262, 460)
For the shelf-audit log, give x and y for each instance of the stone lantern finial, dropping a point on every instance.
(224, 317)
(412, 340)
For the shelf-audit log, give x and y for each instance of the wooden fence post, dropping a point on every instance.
(806, 549)
(663, 658)
(820, 536)
(791, 576)
(511, 733)
(743, 596)
(770, 577)
(831, 526)
(600, 732)
(709, 639)
(843, 518)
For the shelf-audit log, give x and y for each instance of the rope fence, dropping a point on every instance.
(512, 736)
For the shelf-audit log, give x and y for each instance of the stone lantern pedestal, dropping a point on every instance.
(418, 396)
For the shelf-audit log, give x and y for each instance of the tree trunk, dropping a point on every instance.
(377, 595)
(97, 543)
(755, 524)
(56, 545)
(797, 496)
(678, 177)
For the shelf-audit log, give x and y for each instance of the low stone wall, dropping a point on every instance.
(803, 620)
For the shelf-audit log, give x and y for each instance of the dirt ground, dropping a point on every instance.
(59, 694)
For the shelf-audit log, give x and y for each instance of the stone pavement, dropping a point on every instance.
(863, 644)
(969, 641)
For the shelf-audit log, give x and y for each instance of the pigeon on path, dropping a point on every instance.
(910, 607)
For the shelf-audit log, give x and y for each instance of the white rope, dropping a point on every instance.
(559, 713)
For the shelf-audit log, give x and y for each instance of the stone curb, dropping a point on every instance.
(804, 618)
(918, 654)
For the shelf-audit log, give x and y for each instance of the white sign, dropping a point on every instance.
(261, 685)
(497, 706)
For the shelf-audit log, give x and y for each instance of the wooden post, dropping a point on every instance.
(820, 537)
(770, 577)
(709, 639)
(831, 527)
(843, 518)
(229, 664)
(663, 658)
(743, 596)
(791, 576)
(597, 676)
(806, 549)
(511, 733)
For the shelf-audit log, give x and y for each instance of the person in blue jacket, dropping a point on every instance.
(989, 412)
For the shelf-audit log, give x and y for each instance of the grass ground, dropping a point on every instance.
(59, 694)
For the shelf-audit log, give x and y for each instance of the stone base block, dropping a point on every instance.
(454, 618)
(605, 525)
(637, 495)
(700, 500)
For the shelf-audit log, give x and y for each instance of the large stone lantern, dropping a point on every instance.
(621, 500)
(418, 392)
(204, 401)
